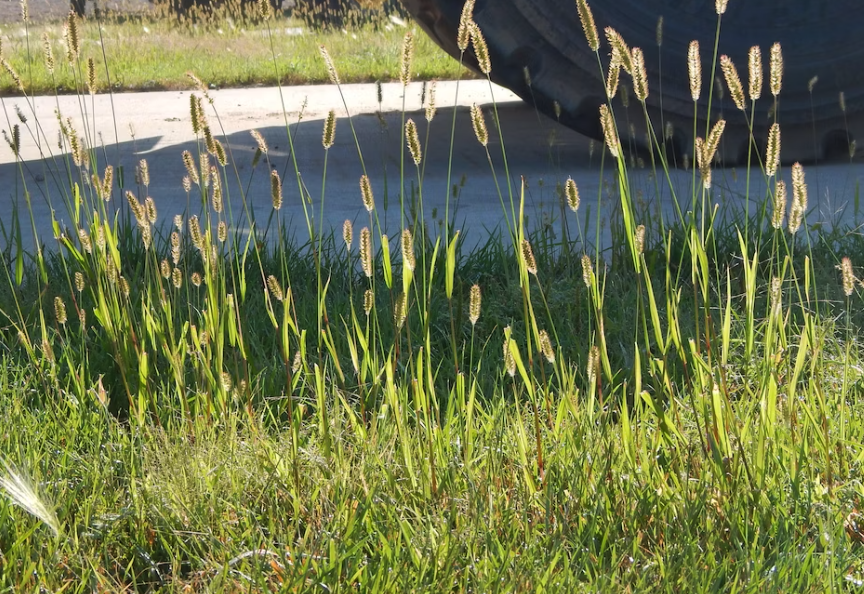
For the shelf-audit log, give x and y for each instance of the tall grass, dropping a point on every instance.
(218, 410)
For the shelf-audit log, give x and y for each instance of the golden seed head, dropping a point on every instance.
(587, 271)
(612, 79)
(196, 114)
(463, 35)
(528, 257)
(189, 162)
(47, 53)
(609, 131)
(546, 346)
(275, 288)
(9, 69)
(848, 276)
(219, 151)
(366, 251)
(177, 278)
(91, 76)
(776, 288)
(586, 17)
(47, 351)
(178, 223)
(146, 236)
(107, 183)
(474, 304)
(265, 9)
(165, 269)
(408, 249)
(703, 162)
(222, 231)
(572, 193)
(86, 244)
(196, 279)
(70, 35)
(779, 212)
(259, 140)
(205, 169)
(479, 124)
(593, 364)
(713, 141)
(721, 6)
(348, 233)
(25, 11)
(754, 62)
(195, 232)
(431, 107)
(400, 310)
(776, 69)
(799, 198)
(175, 247)
(481, 50)
(216, 186)
(772, 156)
(413, 141)
(136, 208)
(368, 301)
(329, 134)
(331, 68)
(186, 183)
(406, 57)
(60, 310)
(79, 281)
(379, 92)
(366, 193)
(620, 49)
(640, 75)
(509, 360)
(297, 362)
(733, 81)
(150, 209)
(275, 190)
(123, 284)
(639, 239)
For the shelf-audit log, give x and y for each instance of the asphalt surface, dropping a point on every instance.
(156, 127)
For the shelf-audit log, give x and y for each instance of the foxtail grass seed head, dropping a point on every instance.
(703, 162)
(19, 84)
(222, 231)
(91, 76)
(189, 162)
(219, 151)
(481, 50)
(136, 207)
(658, 31)
(546, 346)
(587, 271)
(799, 198)
(431, 107)
(586, 17)
(526, 76)
(754, 63)
(474, 304)
(776, 293)
(609, 131)
(216, 187)
(408, 249)
(186, 183)
(721, 6)
(733, 81)
(178, 223)
(150, 209)
(811, 84)
(463, 34)
(196, 279)
(842, 101)
(259, 140)
(47, 53)
(620, 48)
(79, 281)
(848, 276)
(123, 285)
(107, 183)
(772, 153)
(204, 161)
(509, 360)
(479, 124)
(366, 193)
(368, 301)
(275, 190)
(329, 133)
(713, 141)
(366, 251)
(572, 193)
(275, 288)
(195, 232)
(406, 58)
(640, 75)
(694, 70)
(331, 68)
(348, 233)
(196, 114)
(25, 11)
(639, 239)
(177, 278)
(165, 269)
(265, 9)
(528, 257)
(400, 310)
(60, 310)
(593, 364)
(779, 212)
(175, 247)
(70, 35)
(612, 78)
(413, 140)
(776, 69)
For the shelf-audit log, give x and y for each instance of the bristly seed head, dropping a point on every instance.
(177, 278)
(703, 162)
(329, 134)
(463, 35)
(189, 162)
(754, 62)
(413, 140)
(406, 57)
(640, 75)
(431, 107)
(587, 271)
(479, 124)
(658, 31)
(79, 281)
(259, 140)
(733, 81)
(275, 288)
(47, 53)
(91, 76)
(474, 304)
(772, 153)
(609, 132)
(348, 233)
(639, 239)
(586, 17)
(848, 276)
(331, 68)
(368, 301)
(70, 34)
(222, 231)
(776, 67)
(165, 269)
(366, 193)
(799, 198)
(366, 251)
(275, 190)
(546, 346)
(481, 50)
(150, 209)
(400, 310)
(143, 172)
(694, 70)
(528, 257)
(571, 191)
(509, 360)
(195, 232)
(620, 49)
(408, 249)
(720, 5)
(60, 310)
(612, 78)
(216, 185)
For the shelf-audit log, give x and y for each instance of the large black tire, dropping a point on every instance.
(819, 38)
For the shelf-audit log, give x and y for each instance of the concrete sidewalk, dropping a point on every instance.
(156, 127)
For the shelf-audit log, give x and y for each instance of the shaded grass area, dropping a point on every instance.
(144, 55)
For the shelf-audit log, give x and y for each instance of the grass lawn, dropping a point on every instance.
(187, 410)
